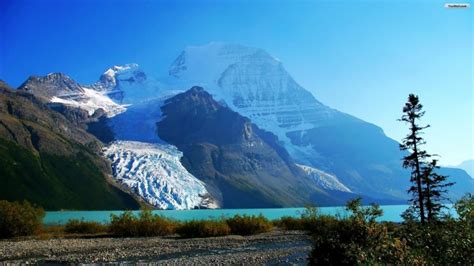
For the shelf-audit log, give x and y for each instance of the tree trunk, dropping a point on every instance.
(418, 174)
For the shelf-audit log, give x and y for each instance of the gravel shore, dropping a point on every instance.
(276, 247)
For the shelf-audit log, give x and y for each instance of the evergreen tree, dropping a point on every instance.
(434, 189)
(413, 112)
(428, 187)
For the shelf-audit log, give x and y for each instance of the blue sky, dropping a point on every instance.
(361, 57)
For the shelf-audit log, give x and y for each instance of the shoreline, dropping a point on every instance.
(276, 246)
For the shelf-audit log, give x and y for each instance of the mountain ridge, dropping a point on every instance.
(354, 156)
(235, 159)
(49, 161)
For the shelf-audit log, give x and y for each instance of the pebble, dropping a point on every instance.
(268, 248)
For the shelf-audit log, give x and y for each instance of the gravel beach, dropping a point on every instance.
(276, 247)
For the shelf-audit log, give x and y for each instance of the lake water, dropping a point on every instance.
(390, 213)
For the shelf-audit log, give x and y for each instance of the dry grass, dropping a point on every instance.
(147, 224)
(249, 225)
(203, 228)
(83, 227)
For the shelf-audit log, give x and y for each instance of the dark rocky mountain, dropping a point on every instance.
(47, 160)
(54, 84)
(242, 165)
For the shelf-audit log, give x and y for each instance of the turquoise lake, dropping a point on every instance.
(390, 213)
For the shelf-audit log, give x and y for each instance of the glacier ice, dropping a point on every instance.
(154, 172)
(323, 179)
(140, 161)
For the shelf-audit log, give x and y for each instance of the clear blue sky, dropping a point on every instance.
(361, 57)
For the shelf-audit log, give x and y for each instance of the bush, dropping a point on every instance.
(465, 209)
(359, 239)
(356, 239)
(82, 227)
(290, 223)
(249, 225)
(19, 219)
(146, 224)
(310, 220)
(203, 228)
(446, 241)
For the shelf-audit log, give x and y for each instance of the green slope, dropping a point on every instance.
(49, 161)
(57, 182)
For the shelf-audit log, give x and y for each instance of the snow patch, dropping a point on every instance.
(323, 179)
(91, 101)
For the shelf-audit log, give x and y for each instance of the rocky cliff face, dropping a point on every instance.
(242, 165)
(54, 84)
(59, 90)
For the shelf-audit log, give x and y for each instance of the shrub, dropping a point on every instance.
(82, 227)
(310, 220)
(249, 225)
(123, 225)
(146, 224)
(291, 223)
(465, 209)
(445, 241)
(356, 239)
(155, 225)
(203, 228)
(19, 219)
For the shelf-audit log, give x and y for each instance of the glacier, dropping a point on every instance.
(154, 172)
(323, 179)
(247, 80)
(335, 150)
(141, 162)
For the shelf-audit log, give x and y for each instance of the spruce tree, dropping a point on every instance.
(435, 186)
(428, 187)
(412, 143)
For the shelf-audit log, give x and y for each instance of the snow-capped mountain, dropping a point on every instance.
(242, 165)
(127, 84)
(255, 84)
(338, 154)
(140, 161)
(58, 88)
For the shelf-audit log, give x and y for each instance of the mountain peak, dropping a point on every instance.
(125, 73)
(53, 84)
(207, 62)
(52, 78)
